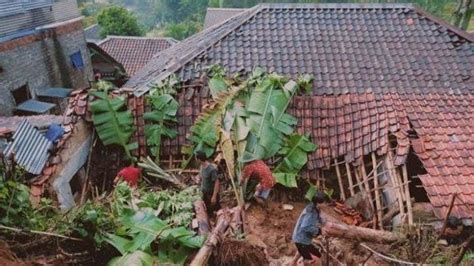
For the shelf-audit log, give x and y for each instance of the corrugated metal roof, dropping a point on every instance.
(30, 148)
(8, 8)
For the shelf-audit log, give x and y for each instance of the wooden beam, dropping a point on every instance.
(407, 194)
(349, 177)
(339, 180)
(378, 204)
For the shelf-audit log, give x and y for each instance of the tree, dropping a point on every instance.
(116, 20)
(180, 31)
(463, 13)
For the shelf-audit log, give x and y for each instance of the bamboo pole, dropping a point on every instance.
(366, 184)
(445, 223)
(340, 230)
(349, 177)
(339, 180)
(359, 181)
(378, 204)
(407, 194)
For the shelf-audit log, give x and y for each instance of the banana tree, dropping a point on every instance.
(112, 121)
(163, 115)
(294, 157)
(248, 121)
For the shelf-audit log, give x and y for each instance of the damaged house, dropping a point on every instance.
(391, 107)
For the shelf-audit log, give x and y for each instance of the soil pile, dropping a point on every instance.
(240, 252)
(274, 225)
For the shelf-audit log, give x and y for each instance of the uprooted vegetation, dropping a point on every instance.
(246, 120)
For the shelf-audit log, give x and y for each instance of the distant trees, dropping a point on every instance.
(116, 20)
(180, 31)
(463, 13)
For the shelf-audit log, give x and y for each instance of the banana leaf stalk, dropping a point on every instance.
(152, 169)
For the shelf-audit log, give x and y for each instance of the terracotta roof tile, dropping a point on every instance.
(134, 52)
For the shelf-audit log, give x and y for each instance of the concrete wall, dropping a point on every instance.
(43, 60)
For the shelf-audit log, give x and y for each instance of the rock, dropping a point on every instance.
(288, 207)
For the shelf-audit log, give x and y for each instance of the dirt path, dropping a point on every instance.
(271, 227)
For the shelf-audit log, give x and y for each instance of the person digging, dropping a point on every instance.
(257, 176)
(308, 227)
(210, 183)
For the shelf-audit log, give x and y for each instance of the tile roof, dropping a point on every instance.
(216, 16)
(347, 47)
(379, 70)
(134, 52)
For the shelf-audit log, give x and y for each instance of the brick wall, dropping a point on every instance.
(43, 60)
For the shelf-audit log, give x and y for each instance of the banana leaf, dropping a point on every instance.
(113, 124)
(162, 117)
(136, 258)
(295, 156)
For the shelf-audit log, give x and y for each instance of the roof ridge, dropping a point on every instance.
(188, 56)
(227, 8)
(136, 37)
(338, 5)
(434, 19)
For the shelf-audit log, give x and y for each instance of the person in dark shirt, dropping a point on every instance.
(308, 227)
(210, 183)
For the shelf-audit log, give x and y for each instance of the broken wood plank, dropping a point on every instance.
(407, 194)
(378, 204)
(393, 178)
(202, 217)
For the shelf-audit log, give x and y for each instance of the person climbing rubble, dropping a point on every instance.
(308, 227)
(210, 183)
(129, 174)
(257, 175)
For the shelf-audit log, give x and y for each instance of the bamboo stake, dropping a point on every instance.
(366, 184)
(339, 180)
(377, 193)
(18, 230)
(359, 181)
(349, 176)
(388, 161)
(407, 194)
(445, 223)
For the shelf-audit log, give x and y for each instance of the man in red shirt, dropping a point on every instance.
(258, 172)
(129, 174)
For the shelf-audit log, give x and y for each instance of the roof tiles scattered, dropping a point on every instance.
(134, 52)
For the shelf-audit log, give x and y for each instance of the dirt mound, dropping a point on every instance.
(274, 226)
(7, 257)
(237, 252)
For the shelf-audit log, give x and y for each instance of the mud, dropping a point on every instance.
(240, 252)
(271, 227)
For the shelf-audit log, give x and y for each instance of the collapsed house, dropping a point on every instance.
(391, 106)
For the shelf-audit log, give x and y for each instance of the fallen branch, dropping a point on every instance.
(386, 257)
(355, 232)
(18, 230)
(204, 253)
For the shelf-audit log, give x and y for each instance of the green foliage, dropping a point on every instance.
(163, 115)
(156, 216)
(182, 30)
(295, 156)
(116, 20)
(113, 123)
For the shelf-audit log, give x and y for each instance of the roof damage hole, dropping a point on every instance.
(415, 168)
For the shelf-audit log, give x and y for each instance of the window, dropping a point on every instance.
(76, 59)
(21, 94)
